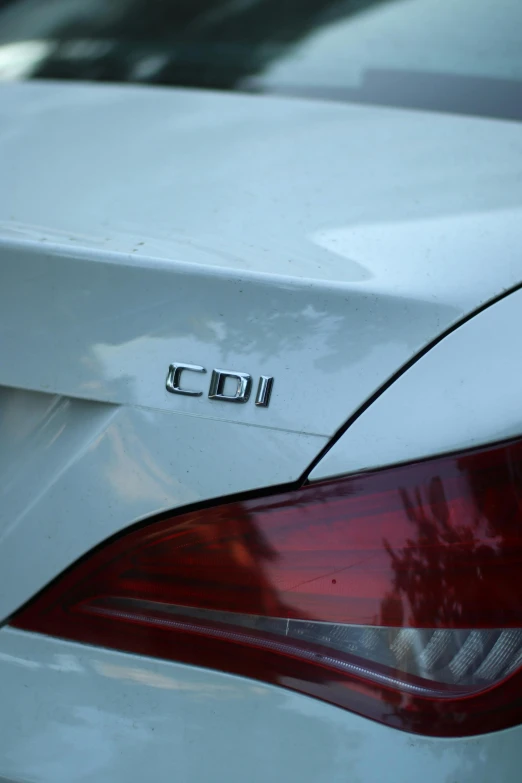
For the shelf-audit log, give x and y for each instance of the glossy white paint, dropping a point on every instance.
(90, 715)
(321, 244)
(113, 330)
(464, 392)
(290, 238)
(74, 472)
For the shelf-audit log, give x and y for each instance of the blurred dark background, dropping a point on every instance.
(426, 54)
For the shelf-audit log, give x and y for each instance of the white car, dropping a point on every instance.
(261, 391)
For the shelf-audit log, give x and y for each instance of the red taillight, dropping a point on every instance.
(396, 594)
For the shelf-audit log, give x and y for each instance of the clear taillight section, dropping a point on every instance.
(396, 594)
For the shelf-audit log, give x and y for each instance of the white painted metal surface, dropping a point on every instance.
(85, 714)
(296, 239)
(104, 329)
(323, 245)
(464, 392)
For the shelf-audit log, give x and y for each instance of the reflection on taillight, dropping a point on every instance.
(396, 594)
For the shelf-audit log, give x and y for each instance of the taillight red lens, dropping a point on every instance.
(396, 594)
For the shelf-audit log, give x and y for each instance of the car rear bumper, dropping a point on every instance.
(77, 713)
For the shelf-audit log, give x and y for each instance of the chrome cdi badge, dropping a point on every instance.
(241, 380)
